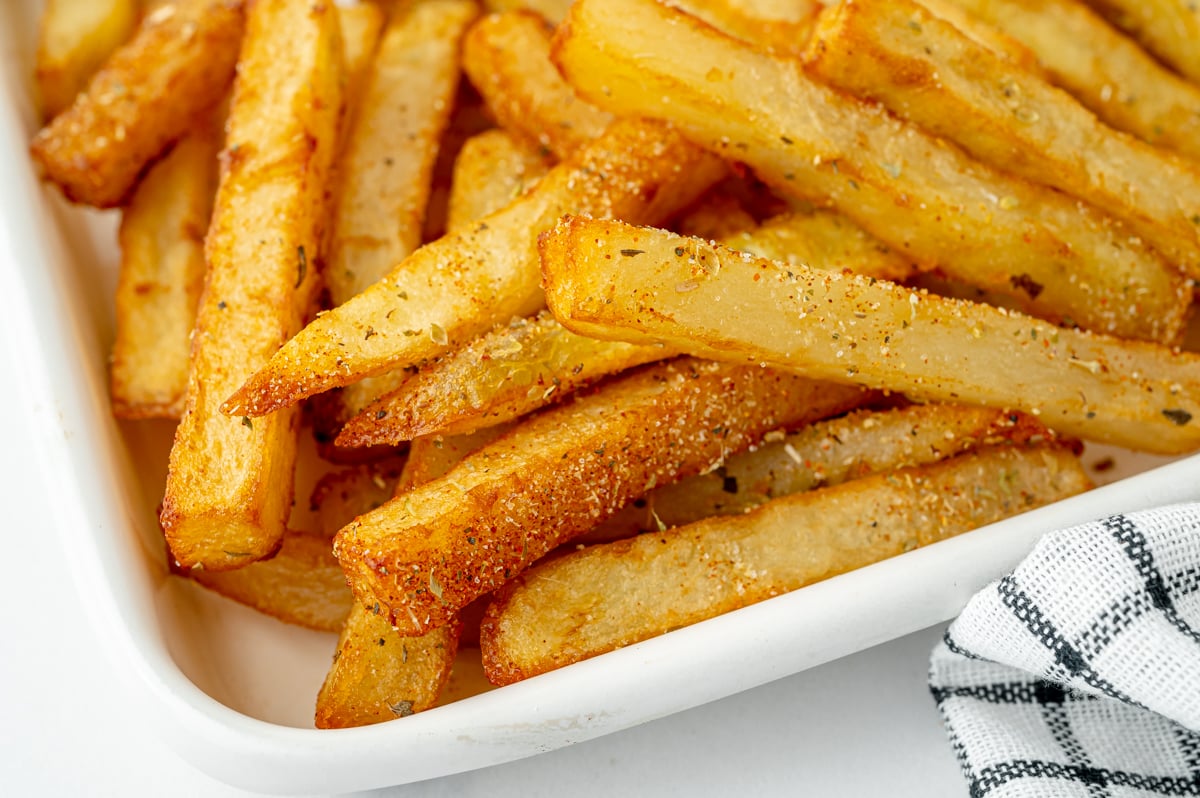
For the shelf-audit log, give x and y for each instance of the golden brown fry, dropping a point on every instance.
(146, 96)
(551, 10)
(386, 165)
(462, 285)
(507, 57)
(507, 373)
(379, 676)
(360, 25)
(433, 456)
(229, 485)
(780, 26)
(161, 276)
(851, 328)
(301, 584)
(821, 455)
(985, 34)
(430, 552)
(1108, 72)
(614, 595)
(492, 170)
(718, 216)
(824, 240)
(922, 196)
(74, 38)
(925, 70)
(528, 364)
(376, 674)
(1168, 28)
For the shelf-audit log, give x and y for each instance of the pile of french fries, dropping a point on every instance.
(625, 329)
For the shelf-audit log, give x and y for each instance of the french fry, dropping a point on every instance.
(528, 364)
(491, 170)
(161, 277)
(384, 189)
(376, 675)
(511, 371)
(74, 38)
(147, 95)
(1168, 28)
(985, 34)
(780, 26)
(340, 496)
(460, 286)
(507, 57)
(379, 675)
(925, 70)
(922, 196)
(430, 552)
(605, 597)
(360, 25)
(1107, 71)
(821, 455)
(302, 584)
(552, 10)
(229, 481)
(850, 328)
(824, 240)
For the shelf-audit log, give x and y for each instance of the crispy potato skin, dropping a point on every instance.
(1104, 69)
(507, 58)
(431, 551)
(146, 96)
(460, 286)
(161, 277)
(826, 453)
(229, 483)
(613, 595)
(850, 328)
(923, 69)
(492, 169)
(408, 96)
(379, 675)
(74, 38)
(1060, 259)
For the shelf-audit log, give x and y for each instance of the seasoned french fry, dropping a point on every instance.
(511, 371)
(360, 25)
(460, 286)
(1168, 28)
(229, 483)
(384, 188)
(613, 595)
(552, 10)
(922, 196)
(851, 328)
(376, 674)
(925, 70)
(985, 34)
(379, 675)
(428, 553)
(161, 276)
(528, 364)
(74, 39)
(301, 584)
(781, 26)
(507, 57)
(492, 170)
(147, 95)
(821, 455)
(824, 240)
(1108, 72)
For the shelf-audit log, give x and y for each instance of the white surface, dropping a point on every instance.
(864, 725)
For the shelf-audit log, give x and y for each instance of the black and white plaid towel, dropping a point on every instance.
(1078, 674)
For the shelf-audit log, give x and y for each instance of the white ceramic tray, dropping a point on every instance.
(233, 692)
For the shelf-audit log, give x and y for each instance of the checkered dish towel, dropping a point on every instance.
(1078, 674)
